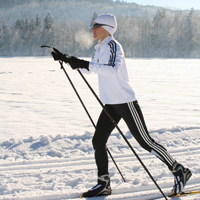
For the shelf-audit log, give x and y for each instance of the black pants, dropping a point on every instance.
(132, 115)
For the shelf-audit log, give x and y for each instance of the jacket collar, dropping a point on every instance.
(105, 41)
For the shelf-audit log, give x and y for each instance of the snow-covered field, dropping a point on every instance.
(45, 134)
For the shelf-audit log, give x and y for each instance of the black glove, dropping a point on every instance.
(76, 63)
(57, 55)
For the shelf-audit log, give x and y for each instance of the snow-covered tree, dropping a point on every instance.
(144, 39)
(158, 35)
(38, 22)
(5, 39)
(93, 19)
(48, 22)
(189, 34)
(48, 34)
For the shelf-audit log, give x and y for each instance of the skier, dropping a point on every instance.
(119, 99)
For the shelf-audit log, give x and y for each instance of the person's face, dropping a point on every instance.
(100, 33)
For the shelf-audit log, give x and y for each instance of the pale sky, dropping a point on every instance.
(172, 4)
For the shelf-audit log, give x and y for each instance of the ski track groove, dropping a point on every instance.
(57, 167)
(83, 162)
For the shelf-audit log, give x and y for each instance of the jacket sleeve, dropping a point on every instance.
(113, 65)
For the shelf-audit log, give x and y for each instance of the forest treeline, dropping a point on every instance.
(168, 34)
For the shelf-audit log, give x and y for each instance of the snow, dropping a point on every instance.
(46, 150)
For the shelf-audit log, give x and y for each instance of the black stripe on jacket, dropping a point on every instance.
(113, 50)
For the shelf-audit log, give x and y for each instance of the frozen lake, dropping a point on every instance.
(36, 97)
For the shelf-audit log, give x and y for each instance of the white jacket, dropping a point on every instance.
(109, 63)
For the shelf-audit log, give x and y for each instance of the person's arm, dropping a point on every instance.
(110, 69)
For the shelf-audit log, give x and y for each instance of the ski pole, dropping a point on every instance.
(61, 63)
(116, 126)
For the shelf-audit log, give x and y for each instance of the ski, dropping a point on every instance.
(102, 194)
(182, 194)
(89, 197)
(185, 193)
(171, 196)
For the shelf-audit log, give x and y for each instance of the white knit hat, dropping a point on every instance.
(109, 20)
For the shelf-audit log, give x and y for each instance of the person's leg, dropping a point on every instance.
(133, 117)
(141, 134)
(103, 130)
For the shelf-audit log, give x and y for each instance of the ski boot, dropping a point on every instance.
(181, 176)
(102, 188)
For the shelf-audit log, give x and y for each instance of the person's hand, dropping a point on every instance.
(57, 55)
(76, 63)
